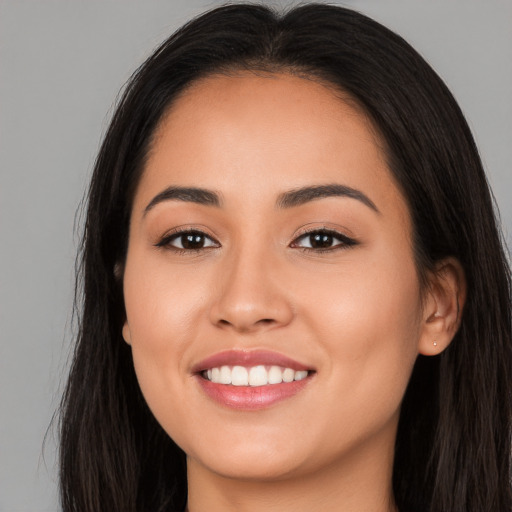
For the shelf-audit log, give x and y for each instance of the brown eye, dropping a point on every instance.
(192, 241)
(188, 241)
(323, 240)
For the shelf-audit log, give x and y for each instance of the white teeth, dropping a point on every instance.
(302, 374)
(258, 376)
(225, 375)
(275, 375)
(288, 375)
(239, 376)
(253, 376)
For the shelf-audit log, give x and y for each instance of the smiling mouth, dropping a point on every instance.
(251, 380)
(254, 376)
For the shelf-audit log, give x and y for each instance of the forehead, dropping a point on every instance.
(248, 133)
(278, 102)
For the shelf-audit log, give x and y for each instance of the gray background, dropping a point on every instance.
(61, 66)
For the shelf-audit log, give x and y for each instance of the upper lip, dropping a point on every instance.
(248, 358)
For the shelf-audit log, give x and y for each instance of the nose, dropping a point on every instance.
(251, 295)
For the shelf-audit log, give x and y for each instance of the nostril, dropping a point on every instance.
(241, 325)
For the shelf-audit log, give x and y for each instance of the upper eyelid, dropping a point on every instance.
(186, 231)
(318, 230)
(331, 231)
(183, 230)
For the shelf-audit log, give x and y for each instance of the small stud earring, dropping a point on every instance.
(435, 343)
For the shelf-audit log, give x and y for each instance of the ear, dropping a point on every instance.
(127, 335)
(118, 274)
(443, 304)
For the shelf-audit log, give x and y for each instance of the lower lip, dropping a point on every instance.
(249, 398)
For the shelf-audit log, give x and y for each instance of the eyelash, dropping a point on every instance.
(166, 241)
(344, 241)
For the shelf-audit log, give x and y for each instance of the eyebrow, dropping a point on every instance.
(304, 195)
(289, 199)
(186, 194)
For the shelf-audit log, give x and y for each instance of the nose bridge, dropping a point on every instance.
(250, 295)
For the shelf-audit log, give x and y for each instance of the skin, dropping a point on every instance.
(354, 313)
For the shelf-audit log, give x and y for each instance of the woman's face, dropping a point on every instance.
(269, 242)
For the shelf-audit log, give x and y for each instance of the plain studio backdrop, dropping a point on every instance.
(62, 64)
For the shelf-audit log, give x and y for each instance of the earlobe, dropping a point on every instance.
(126, 333)
(443, 307)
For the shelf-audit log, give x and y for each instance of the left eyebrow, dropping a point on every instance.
(304, 195)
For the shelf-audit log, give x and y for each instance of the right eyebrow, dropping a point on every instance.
(188, 194)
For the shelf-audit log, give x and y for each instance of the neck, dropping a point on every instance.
(361, 481)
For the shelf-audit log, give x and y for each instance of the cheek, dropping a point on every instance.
(364, 296)
(161, 309)
(368, 322)
(161, 303)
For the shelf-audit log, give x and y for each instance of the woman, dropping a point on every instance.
(294, 291)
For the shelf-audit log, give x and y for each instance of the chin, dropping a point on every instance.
(248, 468)
(252, 456)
